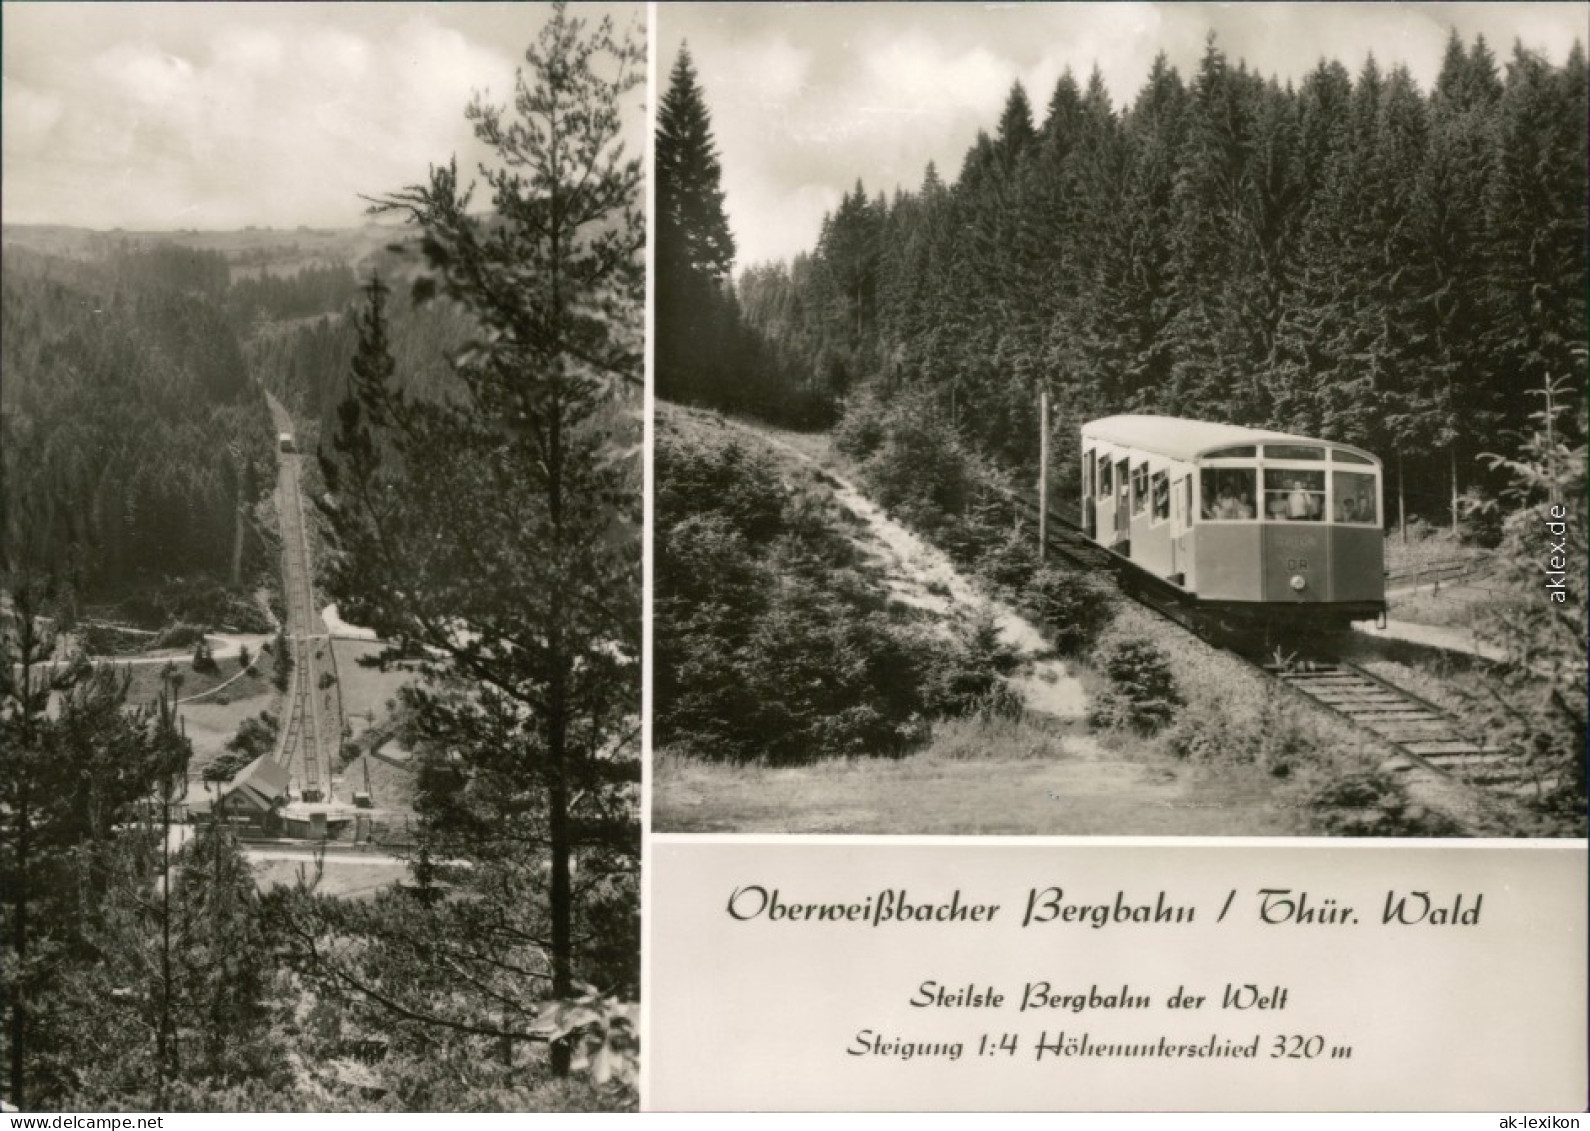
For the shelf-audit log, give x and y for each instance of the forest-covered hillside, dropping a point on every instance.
(137, 441)
(135, 444)
(1350, 256)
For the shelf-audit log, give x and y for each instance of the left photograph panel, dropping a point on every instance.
(321, 410)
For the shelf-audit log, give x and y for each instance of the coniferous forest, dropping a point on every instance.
(1350, 257)
(136, 446)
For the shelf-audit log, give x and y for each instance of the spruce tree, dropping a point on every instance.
(695, 249)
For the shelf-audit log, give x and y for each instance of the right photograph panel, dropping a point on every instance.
(1123, 420)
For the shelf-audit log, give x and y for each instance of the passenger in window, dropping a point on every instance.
(1244, 508)
(1300, 504)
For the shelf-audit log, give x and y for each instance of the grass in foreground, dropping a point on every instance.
(1026, 776)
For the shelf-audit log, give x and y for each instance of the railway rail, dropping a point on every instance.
(1423, 734)
(313, 730)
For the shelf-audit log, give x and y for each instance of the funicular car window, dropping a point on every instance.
(1241, 451)
(1139, 488)
(1228, 493)
(1349, 457)
(1159, 485)
(1187, 500)
(1354, 493)
(1292, 451)
(1294, 495)
(1106, 483)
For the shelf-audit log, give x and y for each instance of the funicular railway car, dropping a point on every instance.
(1251, 525)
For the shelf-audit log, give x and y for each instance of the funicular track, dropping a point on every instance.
(312, 734)
(1422, 735)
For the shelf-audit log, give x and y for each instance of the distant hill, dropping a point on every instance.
(249, 252)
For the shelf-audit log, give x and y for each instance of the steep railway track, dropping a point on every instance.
(312, 734)
(1421, 735)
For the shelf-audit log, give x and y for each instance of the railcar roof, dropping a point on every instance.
(1182, 439)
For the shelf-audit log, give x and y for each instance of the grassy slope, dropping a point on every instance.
(1033, 775)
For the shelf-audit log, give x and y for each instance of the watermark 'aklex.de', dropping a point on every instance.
(1557, 561)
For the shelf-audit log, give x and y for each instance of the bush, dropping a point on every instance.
(106, 640)
(1371, 803)
(225, 767)
(1142, 694)
(860, 432)
(1421, 530)
(774, 641)
(1479, 519)
(966, 677)
(282, 674)
(1075, 608)
(1010, 562)
(178, 635)
(1275, 737)
(204, 658)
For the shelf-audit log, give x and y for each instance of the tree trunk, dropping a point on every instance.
(164, 1040)
(1452, 465)
(561, 903)
(1402, 510)
(19, 917)
(237, 537)
(1043, 473)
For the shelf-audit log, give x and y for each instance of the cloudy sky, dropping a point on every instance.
(175, 115)
(804, 99)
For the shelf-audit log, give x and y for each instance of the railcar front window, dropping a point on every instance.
(1291, 495)
(1106, 483)
(1292, 451)
(1355, 498)
(1228, 493)
(1160, 486)
(1139, 488)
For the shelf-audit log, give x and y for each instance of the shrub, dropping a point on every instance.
(1276, 737)
(1075, 608)
(861, 430)
(1142, 694)
(204, 658)
(1479, 519)
(106, 640)
(1372, 803)
(284, 663)
(179, 635)
(966, 676)
(1010, 562)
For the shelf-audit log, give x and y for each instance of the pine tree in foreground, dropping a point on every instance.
(492, 537)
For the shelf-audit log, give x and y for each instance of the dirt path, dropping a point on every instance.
(923, 576)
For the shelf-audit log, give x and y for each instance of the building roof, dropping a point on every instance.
(263, 781)
(1181, 439)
